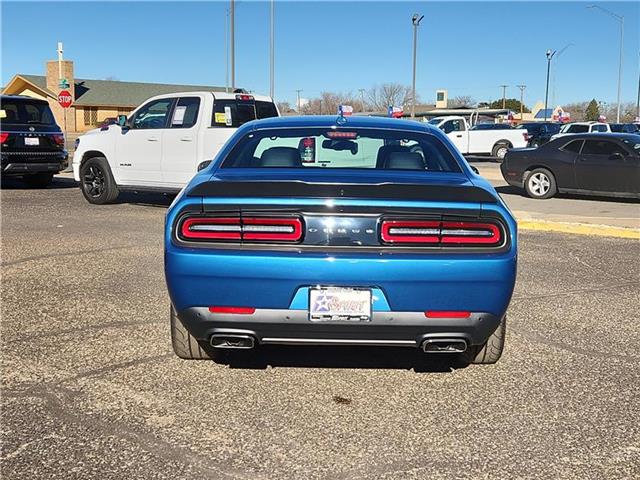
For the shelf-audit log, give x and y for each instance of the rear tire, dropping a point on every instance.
(491, 351)
(184, 344)
(96, 181)
(38, 180)
(540, 184)
(500, 150)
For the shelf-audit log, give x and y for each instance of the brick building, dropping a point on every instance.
(94, 100)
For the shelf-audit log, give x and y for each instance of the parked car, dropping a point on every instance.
(595, 164)
(480, 142)
(582, 127)
(162, 143)
(491, 126)
(380, 235)
(539, 133)
(32, 142)
(624, 127)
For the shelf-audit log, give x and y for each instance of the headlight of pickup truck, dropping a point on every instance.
(204, 165)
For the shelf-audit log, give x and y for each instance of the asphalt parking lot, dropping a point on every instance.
(91, 388)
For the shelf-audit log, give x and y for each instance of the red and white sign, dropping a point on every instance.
(65, 99)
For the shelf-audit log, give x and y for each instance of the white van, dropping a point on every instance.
(162, 143)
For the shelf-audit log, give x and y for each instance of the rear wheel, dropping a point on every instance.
(540, 184)
(500, 150)
(96, 181)
(491, 351)
(38, 180)
(184, 344)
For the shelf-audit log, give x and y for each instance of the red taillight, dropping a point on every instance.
(400, 231)
(446, 314)
(440, 233)
(252, 229)
(233, 310)
(272, 229)
(59, 139)
(3, 137)
(211, 228)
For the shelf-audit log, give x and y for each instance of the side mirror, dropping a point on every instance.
(475, 170)
(616, 156)
(122, 120)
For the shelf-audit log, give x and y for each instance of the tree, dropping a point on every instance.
(593, 111)
(512, 104)
(394, 94)
(462, 101)
(284, 108)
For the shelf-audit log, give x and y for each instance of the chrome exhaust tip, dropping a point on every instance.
(444, 345)
(223, 340)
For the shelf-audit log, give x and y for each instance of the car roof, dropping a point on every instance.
(328, 121)
(595, 135)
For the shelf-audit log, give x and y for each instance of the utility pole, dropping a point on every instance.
(226, 50)
(620, 18)
(361, 90)
(298, 99)
(233, 44)
(521, 87)
(550, 55)
(504, 95)
(638, 100)
(415, 21)
(271, 59)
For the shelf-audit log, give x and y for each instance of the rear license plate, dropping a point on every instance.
(339, 304)
(32, 142)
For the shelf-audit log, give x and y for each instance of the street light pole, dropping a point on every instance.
(550, 55)
(298, 99)
(271, 56)
(233, 44)
(504, 95)
(415, 21)
(521, 87)
(620, 18)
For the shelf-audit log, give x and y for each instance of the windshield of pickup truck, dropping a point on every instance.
(355, 148)
(26, 112)
(233, 113)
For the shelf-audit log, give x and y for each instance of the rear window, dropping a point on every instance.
(324, 148)
(233, 113)
(26, 112)
(576, 129)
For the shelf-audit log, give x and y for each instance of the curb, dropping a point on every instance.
(580, 229)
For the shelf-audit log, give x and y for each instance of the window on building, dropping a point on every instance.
(90, 115)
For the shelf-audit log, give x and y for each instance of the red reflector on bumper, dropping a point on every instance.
(233, 310)
(446, 314)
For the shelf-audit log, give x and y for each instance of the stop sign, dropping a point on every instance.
(64, 99)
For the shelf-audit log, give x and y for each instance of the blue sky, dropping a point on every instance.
(469, 48)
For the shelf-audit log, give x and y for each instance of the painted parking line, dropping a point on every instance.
(580, 229)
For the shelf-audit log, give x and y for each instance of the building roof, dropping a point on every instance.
(115, 93)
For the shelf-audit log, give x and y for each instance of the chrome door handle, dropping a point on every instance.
(186, 139)
(152, 139)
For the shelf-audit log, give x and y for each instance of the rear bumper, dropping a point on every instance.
(513, 177)
(289, 326)
(23, 164)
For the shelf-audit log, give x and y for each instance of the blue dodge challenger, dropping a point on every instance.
(340, 231)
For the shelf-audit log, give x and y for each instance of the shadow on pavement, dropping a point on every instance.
(339, 357)
(16, 183)
(510, 190)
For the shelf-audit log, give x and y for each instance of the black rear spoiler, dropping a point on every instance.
(377, 191)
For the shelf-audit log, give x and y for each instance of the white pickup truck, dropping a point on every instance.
(162, 143)
(480, 142)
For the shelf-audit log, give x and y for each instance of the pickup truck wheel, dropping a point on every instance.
(96, 181)
(38, 180)
(500, 150)
(491, 351)
(540, 184)
(184, 344)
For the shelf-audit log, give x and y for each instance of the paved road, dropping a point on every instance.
(91, 389)
(616, 212)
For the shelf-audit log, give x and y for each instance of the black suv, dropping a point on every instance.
(540, 133)
(32, 142)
